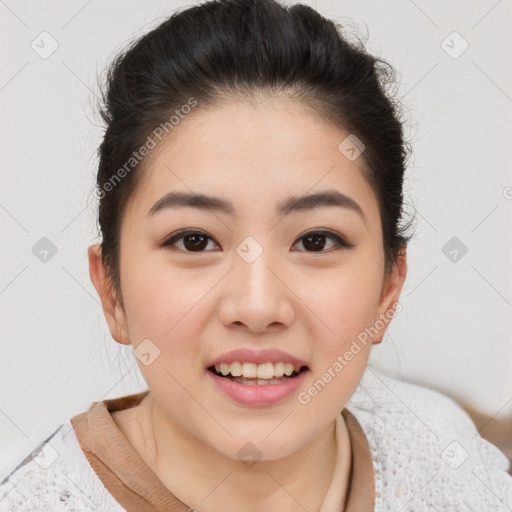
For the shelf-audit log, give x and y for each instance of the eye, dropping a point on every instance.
(193, 240)
(196, 241)
(315, 240)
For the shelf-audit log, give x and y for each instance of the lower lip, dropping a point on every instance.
(264, 394)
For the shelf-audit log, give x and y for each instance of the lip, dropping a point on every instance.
(258, 357)
(257, 395)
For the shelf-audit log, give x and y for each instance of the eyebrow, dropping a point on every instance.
(294, 204)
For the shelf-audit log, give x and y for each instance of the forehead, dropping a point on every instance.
(255, 155)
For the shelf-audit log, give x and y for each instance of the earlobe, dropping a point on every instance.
(390, 295)
(112, 309)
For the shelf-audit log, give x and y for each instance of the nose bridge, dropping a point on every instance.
(255, 295)
(254, 279)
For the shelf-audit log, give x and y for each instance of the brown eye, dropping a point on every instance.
(315, 241)
(197, 241)
(193, 241)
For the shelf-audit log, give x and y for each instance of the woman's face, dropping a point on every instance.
(251, 276)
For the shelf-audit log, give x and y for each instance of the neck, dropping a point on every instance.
(207, 480)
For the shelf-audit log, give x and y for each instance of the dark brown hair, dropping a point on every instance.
(225, 48)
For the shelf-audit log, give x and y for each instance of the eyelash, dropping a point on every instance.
(342, 243)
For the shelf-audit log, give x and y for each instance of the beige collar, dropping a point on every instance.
(137, 488)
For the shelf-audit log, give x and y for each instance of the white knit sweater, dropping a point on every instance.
(427, 456)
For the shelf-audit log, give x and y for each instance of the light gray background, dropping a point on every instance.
(454, 332)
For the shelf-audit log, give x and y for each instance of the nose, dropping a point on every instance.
(256, 297)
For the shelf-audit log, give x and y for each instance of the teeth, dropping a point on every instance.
(249, 370)
(278, 369)
(257, 371)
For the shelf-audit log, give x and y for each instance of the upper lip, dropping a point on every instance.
(258, 357)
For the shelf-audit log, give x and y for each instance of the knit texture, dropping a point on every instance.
(427, 456)
(427, 453)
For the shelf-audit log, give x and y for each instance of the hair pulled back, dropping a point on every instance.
(222, 49)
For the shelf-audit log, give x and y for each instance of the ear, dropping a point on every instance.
(112, 307)
(391, 289)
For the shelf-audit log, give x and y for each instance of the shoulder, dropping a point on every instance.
(426, 450)
(53, 475)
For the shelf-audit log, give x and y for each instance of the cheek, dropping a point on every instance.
(151, 291)
(348, 303)
(345, 306)
(162, 306)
